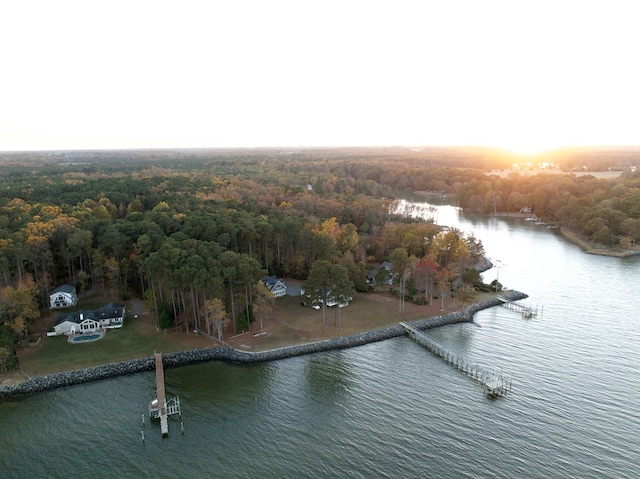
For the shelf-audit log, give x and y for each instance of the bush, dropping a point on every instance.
(165, 316)
(243, 322)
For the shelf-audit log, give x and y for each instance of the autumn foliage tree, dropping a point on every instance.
(263, 301)
(215, 315)
(19, 306)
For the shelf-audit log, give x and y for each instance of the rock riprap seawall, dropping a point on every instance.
(228, 354)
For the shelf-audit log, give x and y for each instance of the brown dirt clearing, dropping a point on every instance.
(291, 323)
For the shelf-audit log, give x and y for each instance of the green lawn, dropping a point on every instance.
(137, 338)
(288, 324)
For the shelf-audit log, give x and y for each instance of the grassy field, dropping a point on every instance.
(137, 338)
(290, 323)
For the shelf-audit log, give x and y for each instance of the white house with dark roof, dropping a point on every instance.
(86, 321)
(277, 286)
(63, 297)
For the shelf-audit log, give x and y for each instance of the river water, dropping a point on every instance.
(389, 409)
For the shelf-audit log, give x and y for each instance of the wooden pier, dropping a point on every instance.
(495, 383)
(160, 408)
(526, 311)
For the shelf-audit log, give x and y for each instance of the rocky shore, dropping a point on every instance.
(228, 354)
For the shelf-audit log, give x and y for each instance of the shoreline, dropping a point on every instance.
(227, 353)
(591, 249)
(574, 238)
(569, 235)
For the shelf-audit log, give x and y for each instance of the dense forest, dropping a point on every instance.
(193, 231)
(193, 235)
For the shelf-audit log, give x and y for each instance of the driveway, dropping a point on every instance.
(294, 287)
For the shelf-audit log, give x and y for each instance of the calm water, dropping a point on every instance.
(390, 409)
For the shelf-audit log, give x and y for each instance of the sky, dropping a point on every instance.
(525, 75)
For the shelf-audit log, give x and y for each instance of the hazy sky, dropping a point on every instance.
(520, 74)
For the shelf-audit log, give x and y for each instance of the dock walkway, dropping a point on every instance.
(160, 408)
(160, 395)
(494, 383)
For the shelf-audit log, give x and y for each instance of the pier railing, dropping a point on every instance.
(494, 383)
(526, 311)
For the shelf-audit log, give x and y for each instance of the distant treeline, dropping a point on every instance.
(483, 158)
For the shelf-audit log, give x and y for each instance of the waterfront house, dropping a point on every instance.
(63, 297)
(88, 321)
(277, 286)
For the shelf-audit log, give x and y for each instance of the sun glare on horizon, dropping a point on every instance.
(528, 149)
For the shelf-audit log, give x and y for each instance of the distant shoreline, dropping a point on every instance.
(574, 238)
(592, 249)
(569, 235)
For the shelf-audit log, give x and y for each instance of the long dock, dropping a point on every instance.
(495, 383)
(159, 408)
(160, 395)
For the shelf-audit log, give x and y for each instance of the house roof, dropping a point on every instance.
(111, 310)
(386, 265)
(271, 281)
(75, 317)
(65, 288)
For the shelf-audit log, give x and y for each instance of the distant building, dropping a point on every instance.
(371, 277)
(63, 297)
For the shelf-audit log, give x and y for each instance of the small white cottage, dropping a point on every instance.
(63, 297)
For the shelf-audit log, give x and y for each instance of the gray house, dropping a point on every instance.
(371, 277)
(108, 317)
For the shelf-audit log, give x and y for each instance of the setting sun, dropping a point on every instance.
(528, 148)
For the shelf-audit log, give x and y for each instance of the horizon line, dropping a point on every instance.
(416, 147)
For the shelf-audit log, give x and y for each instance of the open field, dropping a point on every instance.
(291, 323)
